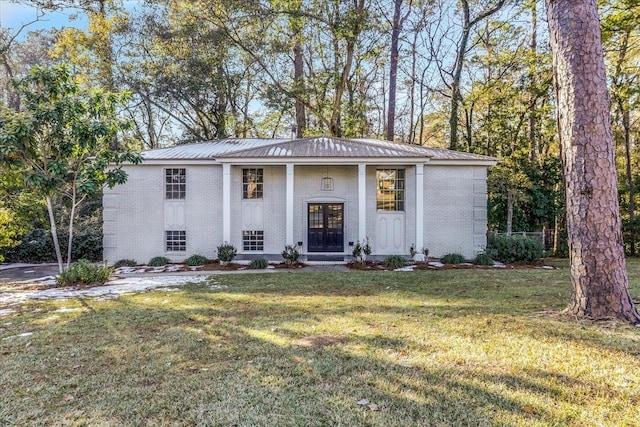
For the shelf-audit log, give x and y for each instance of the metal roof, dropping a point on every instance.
(305, 148)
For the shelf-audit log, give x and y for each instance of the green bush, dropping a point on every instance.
(258, 264)
(394, 261)
(158, 261)
(226, 252)
(514, 248)
(452, 259)
(37, 246)
(290, 254)
(196, 260)
(125, 263)
(83, 272)
(483, 258)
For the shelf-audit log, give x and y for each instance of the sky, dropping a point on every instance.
(13, 15)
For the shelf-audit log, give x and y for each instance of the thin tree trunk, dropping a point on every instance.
(533, 122)
(632, 191)
(298, 76)
(54, 233)
(598, 266)
(510, 201)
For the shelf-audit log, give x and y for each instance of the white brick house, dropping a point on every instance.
(323, 194)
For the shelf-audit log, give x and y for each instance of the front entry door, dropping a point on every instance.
(326, 227)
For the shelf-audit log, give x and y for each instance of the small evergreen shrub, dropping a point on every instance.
(412, 250)
(514, 248)
(158, 261)
(226, 252)
(258, 264)
(196, 260)
(452, 258)
(394, 261)
(290, 254)
(83, 272)
(483, 258)
(125, 263)
(361, 250)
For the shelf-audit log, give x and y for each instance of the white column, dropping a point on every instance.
(226, 202)
(419, 206)
(362, 202)
(289, 206)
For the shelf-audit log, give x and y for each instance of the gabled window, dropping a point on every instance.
(252, 183)
(175, 183)
(390, 189)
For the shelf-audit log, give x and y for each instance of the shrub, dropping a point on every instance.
(85, 273)
(452, 259)
(226, 252)
(158, 261)
(483, 258)
(125, 263)
(37, 246)
(514, 248)
(395, 261)
(259, 264)
(361, 250)
(290, 254)
(196, 260)
(412, 250)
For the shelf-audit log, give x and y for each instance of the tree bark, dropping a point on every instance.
(393, 70)
(54, 233)
(298, 79)
(598, 266)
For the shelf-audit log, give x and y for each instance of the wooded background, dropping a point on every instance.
(466, 75)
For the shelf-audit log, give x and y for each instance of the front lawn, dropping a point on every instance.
(428, 348)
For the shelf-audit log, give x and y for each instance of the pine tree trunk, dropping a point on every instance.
(598, 266)
(393, 71)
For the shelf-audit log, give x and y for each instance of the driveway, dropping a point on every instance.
(24, 272)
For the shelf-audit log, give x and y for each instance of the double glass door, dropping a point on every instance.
(326, 227)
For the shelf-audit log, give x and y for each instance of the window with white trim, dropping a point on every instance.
(175, 183)
(252, 183)
(390, 189)
(253, 240)
(176, 241)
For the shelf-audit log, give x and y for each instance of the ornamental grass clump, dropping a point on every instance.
(159, 261)
(194, 260)
(452, 259)
(258, 264)
(125, 263)
(394, 261)
(83, 272)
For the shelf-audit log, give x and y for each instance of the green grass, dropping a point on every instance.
(432, 348)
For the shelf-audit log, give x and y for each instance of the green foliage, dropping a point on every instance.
(8, 231)
(125, 263)
(37, 246)
(394, 261)
(258, 264)
(452, 258)
(514, 248)
(196, 260)
(83, 272)
(61, 138)
(412, 250)
(483, 258)
(290, 254)
(226, 252)
(535, 188)
(361, 250)
(425, 252)
(158, 261)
